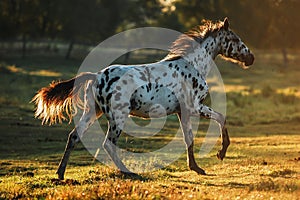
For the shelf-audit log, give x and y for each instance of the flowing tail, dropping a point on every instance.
(60, 100)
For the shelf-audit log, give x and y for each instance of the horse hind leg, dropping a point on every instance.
(72, 140)
(110, 146)
(90, 114)
(112, 136)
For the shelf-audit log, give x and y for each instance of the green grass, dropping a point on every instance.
(262, 162)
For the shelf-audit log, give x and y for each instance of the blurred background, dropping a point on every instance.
(65, 27)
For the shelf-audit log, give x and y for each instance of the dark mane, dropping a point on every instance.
(184, 43)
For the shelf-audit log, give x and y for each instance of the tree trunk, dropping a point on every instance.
(71, 45)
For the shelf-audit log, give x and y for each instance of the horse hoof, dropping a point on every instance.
(220, 155)
(202, 172)
(131, 175)
(199, 171)
(60, 176)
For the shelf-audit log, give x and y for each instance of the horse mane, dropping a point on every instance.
(184, 43)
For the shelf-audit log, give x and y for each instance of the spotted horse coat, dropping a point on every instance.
(174, 85)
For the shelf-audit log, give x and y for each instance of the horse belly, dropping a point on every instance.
(154, 103)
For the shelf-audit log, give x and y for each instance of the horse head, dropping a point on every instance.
(232, 47)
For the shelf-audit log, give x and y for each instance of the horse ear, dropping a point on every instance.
(226, 23)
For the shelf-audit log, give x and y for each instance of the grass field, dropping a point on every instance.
(263, 110)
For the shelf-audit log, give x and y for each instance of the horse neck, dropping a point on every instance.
(203, 55)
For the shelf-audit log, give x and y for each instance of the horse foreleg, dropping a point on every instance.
(189, 141)
(225, 143)
(191, 161)
(209, 113)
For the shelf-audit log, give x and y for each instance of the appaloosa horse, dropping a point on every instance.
(174, 85)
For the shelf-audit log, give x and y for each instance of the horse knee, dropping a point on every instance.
(221, 119)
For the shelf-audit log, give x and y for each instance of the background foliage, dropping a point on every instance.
(267, 24)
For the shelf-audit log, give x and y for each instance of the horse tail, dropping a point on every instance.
(60, 100)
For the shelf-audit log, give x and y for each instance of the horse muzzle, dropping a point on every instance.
(248, 59)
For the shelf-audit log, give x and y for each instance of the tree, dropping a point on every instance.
(19, 20)
(284, 27)
(139, 13)
(87, 21)
(263, 24)
(191, 12)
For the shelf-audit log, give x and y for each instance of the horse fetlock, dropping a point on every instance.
(225, 139)
(222, 153)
